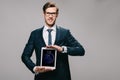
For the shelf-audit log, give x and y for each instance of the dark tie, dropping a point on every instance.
(49, 36)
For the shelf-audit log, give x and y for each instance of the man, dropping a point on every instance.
(61, 40)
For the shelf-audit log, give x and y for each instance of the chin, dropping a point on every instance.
(51, 24)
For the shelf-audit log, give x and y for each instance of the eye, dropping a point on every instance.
(51, 13)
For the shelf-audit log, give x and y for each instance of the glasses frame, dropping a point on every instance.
(51, 13)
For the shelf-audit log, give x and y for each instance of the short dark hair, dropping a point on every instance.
(48, 5)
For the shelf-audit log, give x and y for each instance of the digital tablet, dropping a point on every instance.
(48, 57)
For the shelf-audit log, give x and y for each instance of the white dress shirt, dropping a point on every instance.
(45, 34)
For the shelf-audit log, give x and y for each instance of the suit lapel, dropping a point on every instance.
(41, 36)
(57, 35)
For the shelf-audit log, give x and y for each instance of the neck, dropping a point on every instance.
(49, 26)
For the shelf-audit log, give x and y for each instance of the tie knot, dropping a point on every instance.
(49, 30)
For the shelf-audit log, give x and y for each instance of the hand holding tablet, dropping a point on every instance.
(42, 69)
(58, 48)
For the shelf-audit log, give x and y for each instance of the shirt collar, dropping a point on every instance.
(53, 27)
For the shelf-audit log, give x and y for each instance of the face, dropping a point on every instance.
(50, 16)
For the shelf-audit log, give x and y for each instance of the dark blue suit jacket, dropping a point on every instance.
(63, 38)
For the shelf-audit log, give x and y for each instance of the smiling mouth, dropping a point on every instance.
(50, 20)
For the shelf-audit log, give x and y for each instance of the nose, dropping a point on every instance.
(50, 15)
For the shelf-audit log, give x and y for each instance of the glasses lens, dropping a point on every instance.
(51, 13)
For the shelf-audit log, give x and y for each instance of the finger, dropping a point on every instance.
(49, 46)
(47, 70)
(53, 46)
(41, 70)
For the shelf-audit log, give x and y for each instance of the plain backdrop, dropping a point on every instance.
(94, 23)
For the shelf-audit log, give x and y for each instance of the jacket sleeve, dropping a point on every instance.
(27, 53)
(74, 48)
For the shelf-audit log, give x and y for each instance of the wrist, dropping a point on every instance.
(34, 69)
(64, 49)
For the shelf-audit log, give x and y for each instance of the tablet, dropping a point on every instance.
(48, 57)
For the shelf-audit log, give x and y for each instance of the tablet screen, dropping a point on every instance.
(48, 57)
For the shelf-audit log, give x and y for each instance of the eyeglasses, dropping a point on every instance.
(51, 13)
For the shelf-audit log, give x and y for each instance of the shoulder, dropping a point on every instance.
(62, 29)
(37, 30)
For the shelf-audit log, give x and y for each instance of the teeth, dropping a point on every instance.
(50, 20)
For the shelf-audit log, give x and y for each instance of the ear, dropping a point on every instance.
(43, 14)
(57, 15)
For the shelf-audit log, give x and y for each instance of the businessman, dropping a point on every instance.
(51, 36)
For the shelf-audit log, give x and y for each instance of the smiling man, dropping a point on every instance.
(51, 36)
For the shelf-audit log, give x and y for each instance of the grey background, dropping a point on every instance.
(94, 23)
